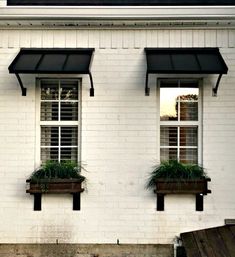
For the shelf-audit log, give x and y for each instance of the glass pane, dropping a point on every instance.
(48, 154)
(49, 111)
(49, 90)
(69, 90)
(188, 136)
(49, 136)
(69, 136)
(69, 154)
(69, 111)
(168, 136)
(189, 110)
(170, 97)
(189, 155)
(167, 154)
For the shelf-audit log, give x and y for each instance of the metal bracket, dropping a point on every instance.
(92, 91)
(23, 89)
(147, 89)
(215, 89)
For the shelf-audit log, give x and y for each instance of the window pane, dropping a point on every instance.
(49, 90)
(69, 154)
(168, 154)
(168, 136)
(48, 154)
(49, 111)
(171, 97)
(189, 155)
(69, 111)
(69, 90)
(49, 136)
(188, 136)
(69, 136)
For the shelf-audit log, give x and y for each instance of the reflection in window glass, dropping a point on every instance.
(179, 120)
(178, 103)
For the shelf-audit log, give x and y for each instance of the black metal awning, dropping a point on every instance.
(52, 61)
(185, 61)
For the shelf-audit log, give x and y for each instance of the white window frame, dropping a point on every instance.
(182, 123)
(58, 123)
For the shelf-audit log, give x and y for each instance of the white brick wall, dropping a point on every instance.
(119, 143)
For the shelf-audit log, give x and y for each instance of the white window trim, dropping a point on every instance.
(39, 123)
(182, 123)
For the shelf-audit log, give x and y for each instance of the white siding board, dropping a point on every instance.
(232, 38)
(59, 38)
(175, 38)
(116, 39)
(36, 38)
(4, 38)
(198, 38)
(105, 39)
(128, 39)
(47, 38)
(187, 38)
(25, 39)
(70, 38)
(94, 38)
(82, 38)
(13, 39)
(163, 38)
(210, 38)
(140, 38)
(222, 38)
(151, 38)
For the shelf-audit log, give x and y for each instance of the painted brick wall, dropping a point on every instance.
(119, 143)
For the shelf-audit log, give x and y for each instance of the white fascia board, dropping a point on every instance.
(118, 13)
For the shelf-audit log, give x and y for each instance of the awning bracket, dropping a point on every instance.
(215, 89)
(147, 89)
(92, 90)
(23, 89)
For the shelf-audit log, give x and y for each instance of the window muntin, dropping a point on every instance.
(59, 119)
(179, 120)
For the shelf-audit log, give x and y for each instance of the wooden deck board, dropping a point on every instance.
(213, 242)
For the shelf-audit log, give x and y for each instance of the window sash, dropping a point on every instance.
(63, 148)
(181, 150)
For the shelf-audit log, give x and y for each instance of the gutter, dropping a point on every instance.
(119, 13)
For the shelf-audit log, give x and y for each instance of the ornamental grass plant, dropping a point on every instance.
(175, 170)
(57, 170)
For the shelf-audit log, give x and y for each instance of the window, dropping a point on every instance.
(59, 119)
(179, 120)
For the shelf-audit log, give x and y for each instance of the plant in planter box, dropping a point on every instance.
(56, 178)
(173, 177)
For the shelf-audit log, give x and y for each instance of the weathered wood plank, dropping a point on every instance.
(232, 229)
(203, 244)
(216, 242)
(228, 239)
(190, 245)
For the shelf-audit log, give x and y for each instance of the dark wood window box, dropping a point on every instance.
(199, 187)
(55, 186)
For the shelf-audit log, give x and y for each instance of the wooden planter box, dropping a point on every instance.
(192, 186)
(55, 186)
(199, 187)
